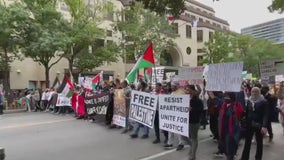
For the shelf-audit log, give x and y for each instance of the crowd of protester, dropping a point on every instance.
(231, 117)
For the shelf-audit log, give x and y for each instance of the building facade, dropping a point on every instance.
(272, 30)
(194, 27)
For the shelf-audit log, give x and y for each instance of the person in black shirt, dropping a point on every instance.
(257, 114)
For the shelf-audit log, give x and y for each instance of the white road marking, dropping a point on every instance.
(34, 124)
(170, 151)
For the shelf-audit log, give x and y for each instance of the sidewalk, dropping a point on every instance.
(14, 111)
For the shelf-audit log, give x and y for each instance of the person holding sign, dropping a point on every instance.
(141, 87)
(195, 111)
(229, 128)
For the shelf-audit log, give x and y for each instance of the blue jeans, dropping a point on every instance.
(138, 126)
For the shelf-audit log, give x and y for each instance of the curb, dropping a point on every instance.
(14, 111)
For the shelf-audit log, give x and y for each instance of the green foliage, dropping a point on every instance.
(139, 27)
(227, 47)
(12, 20)
(84, 32)
(218, 48)
(163, 7)
(277, 5)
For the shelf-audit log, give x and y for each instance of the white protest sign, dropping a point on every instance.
(183, 73)
(224, 77)
(63, 101)
(174, 113)
(157, 75)
(143, 108)
(88, 83)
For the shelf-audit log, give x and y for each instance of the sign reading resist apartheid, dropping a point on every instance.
(97, 104)
(224, 77)
(143, 108)
(174, 113)
(119, 108)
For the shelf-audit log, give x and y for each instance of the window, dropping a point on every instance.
(175, 25)
(200, 20)
(207, 21)
(210, 35)
(109, 33)
(188, 50)
(187, 14)
(188, 31)
(199, 58)
(109, 42)
(193, 17)
(99, 43)
(199, 50)
(199, 35)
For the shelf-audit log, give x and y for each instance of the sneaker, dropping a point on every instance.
(168, 146)
(156, 141)
(219, 154)
(180, 147)
(145, 137)
(133, 135)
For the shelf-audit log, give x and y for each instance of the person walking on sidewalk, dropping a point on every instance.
(229, 127)
(1, 102)
(257, 114)
(195, 111)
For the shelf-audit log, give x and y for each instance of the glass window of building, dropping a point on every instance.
(199, 35)
(188, 31)
(109, 33)
(199, 50)
(210, 35)
(175, 25)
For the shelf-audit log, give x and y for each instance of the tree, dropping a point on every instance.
(139, 27)
(261, 50)
(83, 51)
(277, 5)
(219, 48)
(12, 20)
(163, 7)
(45, 36)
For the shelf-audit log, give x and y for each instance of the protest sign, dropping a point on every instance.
(224, 77)
(271, 68)
(119, 116)
(62, 100)
(174, 113)
(97, 104)
(157, 75)
(88, 83)
(143, 108)
(193, 74)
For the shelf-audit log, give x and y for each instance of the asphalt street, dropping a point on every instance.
(45, 136)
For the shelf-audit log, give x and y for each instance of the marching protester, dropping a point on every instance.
(280, 96)
(1, 102)
(214, 104)
(229, 128)
(142, 86)
(195, 111)
(204, 97)
(127, 96)
(175, 89)
(257, 114)
(159, 90)
(272, 103)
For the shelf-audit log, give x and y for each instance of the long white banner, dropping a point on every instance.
(174, 113)
(143, 108)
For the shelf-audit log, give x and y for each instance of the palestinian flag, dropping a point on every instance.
(68, 87)
(145, 61)
(96, 80)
